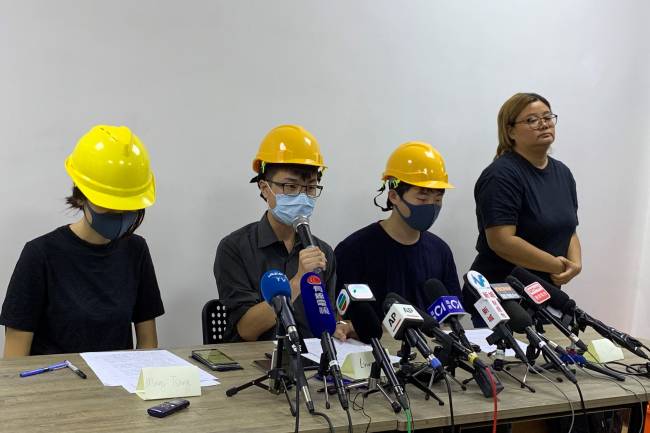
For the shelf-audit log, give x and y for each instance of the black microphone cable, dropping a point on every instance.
(361, 407)
(631, 375)
(451, 402)
(584, 408)
(297, 409)
(326, 418)
(347, 412)
(573, 414)
(638, 397)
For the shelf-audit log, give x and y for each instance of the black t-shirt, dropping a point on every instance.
(80, 297)
(244, 256)
(541, 203)
(372, 257)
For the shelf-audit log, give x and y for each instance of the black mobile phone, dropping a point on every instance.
(215, 359)
(167, 408)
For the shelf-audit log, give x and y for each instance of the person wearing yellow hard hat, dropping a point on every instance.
(526, 201)
(80, 287)
(399, 254)
(288, 168)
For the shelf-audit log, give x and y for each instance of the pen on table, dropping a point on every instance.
(78, 372)
(44, 369)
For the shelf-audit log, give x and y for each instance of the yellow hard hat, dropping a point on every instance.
(110, 165)
(288, 144)
(417, 163)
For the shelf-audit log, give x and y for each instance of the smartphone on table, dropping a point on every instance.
(215, 360)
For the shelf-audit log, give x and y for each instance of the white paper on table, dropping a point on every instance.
(123, 368)
(343, 348)
(478, 336)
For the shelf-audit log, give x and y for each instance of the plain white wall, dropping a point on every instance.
(201, 82)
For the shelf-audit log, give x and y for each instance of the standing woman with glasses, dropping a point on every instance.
(80, 287)
(526, 201)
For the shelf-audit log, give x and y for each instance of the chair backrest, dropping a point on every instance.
(214, 316)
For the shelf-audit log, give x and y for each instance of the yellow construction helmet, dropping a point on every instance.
(288, 144)
(417, 163)
(110, 165)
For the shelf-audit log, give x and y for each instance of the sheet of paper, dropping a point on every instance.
(342, 349)
(478, 336)
(123, 368)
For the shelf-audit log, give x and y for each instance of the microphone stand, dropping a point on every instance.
(373, 384)
(445, 353)
(407, 373)
(280, 376)
(503, 365)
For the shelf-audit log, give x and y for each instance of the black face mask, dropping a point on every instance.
(110, 225)
(422, 216)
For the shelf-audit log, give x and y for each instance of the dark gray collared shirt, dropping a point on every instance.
(244, 256)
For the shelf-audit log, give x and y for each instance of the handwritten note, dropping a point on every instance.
(168, 382)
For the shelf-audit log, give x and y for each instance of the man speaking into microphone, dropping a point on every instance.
(399, 254)
(288, 167)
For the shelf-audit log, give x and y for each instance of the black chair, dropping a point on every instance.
(215, 322)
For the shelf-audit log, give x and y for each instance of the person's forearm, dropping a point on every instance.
(17, 343)
(146, 335)
(574, 252)
(294, 283)
(521, 253)
(256, 321)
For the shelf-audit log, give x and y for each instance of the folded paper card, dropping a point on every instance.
(602, 351)
(357, 365)
(167, 382)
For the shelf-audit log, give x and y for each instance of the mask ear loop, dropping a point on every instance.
(392, 183)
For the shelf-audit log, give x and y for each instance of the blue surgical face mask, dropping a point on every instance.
(289, 207)
(422, 216)
(111, 225)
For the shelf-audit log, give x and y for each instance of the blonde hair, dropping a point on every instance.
(507, 116)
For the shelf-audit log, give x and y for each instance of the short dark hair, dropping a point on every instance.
(77, 200)
(393, 184)
(304, 172)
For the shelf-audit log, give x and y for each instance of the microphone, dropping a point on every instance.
(301, 227)
(352, 293)
(368, 328)
(446, 308)
(276, 290)
(431, 328)
(322, 323)
(521, 322)
(402, 322)
(562, 301)
(536, 298)
(492, 313)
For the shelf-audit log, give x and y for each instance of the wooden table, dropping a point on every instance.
(60, 401)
